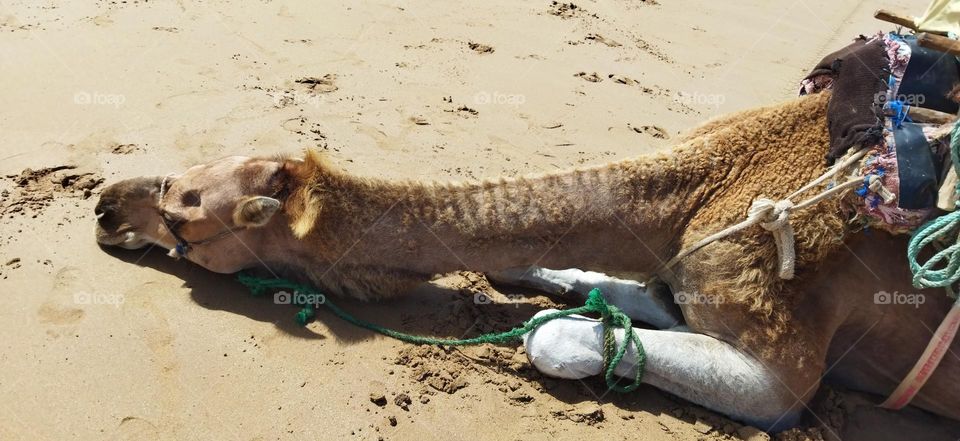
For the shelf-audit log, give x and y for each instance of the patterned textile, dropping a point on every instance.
(880, 202)
(877, 201)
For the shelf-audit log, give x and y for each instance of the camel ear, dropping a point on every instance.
(255, 211)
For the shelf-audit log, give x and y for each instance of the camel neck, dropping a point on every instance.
(617, 217)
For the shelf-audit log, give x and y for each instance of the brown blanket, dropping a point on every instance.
(855, 114)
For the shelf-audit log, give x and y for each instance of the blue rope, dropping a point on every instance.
(899, 109)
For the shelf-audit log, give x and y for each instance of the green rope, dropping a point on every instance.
(611, 318)
(928, 274)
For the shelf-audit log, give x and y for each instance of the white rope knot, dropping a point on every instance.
(775, 218)
(876, 186)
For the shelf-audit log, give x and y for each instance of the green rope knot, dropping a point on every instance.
(943, 269)
(611, 318)
(596, 302)
(306, 315)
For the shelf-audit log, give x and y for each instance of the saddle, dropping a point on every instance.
(875, 81)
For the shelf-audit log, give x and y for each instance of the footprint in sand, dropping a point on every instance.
(135, 429)
(12, 264)
(564, 10)
(654, 131)
(324, 84)
(591, 77)
(622, 79)
(601, 39)
(102, 20)
(306, 90)
(59, 315)
(156, 333)
(480, 48)
(125, 149)
(69, 291)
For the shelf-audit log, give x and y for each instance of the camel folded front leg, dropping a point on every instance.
(638, 301)
(695, 367)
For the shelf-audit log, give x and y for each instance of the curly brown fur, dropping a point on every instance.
(781, 147)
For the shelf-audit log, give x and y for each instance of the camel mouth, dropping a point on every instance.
(125, 212)
(130, 240)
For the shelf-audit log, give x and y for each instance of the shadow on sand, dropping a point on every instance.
(427, 311)
(415, 312)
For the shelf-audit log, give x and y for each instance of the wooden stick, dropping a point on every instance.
(924, 115)
(936, 42)
(893, 17)
(943, 131)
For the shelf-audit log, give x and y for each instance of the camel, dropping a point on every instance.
(745, 343)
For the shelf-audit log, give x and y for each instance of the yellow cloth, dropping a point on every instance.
(941, 16)
(947, 198)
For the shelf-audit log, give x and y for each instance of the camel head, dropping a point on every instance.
(213, 214)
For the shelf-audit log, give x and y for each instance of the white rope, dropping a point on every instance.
(840, 166)
(779, 212)
(774, 216)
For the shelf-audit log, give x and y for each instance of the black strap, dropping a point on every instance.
(916, 168)
(929, 78)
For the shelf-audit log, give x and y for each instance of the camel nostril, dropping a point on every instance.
(104, 214)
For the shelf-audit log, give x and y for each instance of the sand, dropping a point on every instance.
(106, 344)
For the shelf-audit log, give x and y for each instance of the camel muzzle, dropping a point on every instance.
(125, 210)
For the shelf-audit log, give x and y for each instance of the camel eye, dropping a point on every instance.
(191, 199)
(171, 219)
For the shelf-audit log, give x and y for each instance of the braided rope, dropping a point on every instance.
(943, 269)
